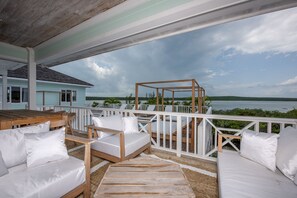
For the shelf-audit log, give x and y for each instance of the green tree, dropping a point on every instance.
(95, 104)
(112, 101)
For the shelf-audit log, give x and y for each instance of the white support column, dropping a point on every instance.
(31, 79)
(4, 89)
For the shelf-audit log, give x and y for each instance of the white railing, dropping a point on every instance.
(183, 133)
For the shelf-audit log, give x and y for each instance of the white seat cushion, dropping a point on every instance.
(240, 177)
(54, 179)
(111, 144)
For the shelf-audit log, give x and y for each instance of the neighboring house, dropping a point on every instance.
(52, 87)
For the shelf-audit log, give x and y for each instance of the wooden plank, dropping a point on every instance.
(144, 177)
(11, 118)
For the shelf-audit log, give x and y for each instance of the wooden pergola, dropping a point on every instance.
(163, 86)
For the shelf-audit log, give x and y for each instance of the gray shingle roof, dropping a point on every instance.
(46, 74)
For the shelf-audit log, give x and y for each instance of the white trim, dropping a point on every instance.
(50, 82)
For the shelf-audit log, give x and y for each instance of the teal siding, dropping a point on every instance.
(51, 93)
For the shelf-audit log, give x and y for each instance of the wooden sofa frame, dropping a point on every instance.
(92, 133)
(226, 136)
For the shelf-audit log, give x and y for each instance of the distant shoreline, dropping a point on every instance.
(212, 98)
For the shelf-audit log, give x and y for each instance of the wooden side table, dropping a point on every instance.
(144, 177)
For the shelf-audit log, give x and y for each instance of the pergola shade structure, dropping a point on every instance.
(173, 86)
(54, 32)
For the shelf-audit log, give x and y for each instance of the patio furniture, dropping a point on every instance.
(239, 176)
(144, 177)
(115, 143)
(67, 176)
(123, 106)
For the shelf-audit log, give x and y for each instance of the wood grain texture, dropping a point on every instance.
(31, 22)
(15, 118)
(144, 177)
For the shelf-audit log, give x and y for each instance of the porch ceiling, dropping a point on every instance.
(32, 22)
(63, 31)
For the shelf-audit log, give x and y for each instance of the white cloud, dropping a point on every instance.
(274, 32)
(292, 81)
(101, 72)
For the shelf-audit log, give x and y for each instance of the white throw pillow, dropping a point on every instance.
(3, 168)
(112, 122)
(130, 124)
(12, 145)
(260, 148)
(39, 128)
(45, 147)
(286, 156)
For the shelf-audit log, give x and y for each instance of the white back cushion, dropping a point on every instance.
(286, 156)
(12, 146)
(130, 124)
(45, 147)
(260, 148)
(112, 122)
(3, 168)
(39, 128)
(12, 143)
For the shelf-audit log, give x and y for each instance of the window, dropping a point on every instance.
(74, 96)
(25, 95)
(66, 96)
(15, 94)
(8, 94)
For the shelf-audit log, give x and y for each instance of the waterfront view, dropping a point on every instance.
(281, 106)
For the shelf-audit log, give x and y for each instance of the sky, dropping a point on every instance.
(255, 57)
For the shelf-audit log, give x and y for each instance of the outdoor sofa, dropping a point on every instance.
(34, 163)
(259, 171)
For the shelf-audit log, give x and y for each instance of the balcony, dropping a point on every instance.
(189, 139)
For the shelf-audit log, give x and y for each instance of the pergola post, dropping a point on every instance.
(4, 89)
(200, 100)
(31, 79)
(136, 96)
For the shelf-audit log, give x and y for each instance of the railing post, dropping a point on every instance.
(203, 135)
(179, 137)
(200, 138)
(158, 130)
(257, 127)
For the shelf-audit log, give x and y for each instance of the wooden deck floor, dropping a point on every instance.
(204, 186)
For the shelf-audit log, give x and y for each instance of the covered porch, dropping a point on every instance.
(69, 31)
